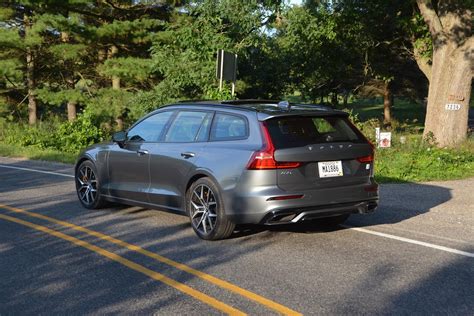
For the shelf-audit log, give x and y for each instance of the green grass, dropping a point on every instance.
(405, 114)
(414, 162)
(35, 153)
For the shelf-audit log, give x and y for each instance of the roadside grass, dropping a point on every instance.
(35, 153)
(415, 162)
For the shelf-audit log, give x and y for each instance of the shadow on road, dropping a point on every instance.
(447, 289)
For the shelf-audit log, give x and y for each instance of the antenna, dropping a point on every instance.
(284, 105)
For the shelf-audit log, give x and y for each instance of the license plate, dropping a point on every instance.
(330, 169)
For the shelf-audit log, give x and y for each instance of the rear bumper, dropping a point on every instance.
(254, 207)
(301, 214)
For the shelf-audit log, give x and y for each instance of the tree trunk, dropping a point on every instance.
(387, 104)
(71, 110)
(30, 77)
(101, 55)
(422, 62)
(451, 71)
(31, 83)
(345, 98)
(448, 97)
(115, 79)
(71, 104)
(334, 99)
(116, 86)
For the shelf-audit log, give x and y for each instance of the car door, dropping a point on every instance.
(174, 157)
(129, 177)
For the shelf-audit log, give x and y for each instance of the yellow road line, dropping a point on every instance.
(207, 277)
(132, 265)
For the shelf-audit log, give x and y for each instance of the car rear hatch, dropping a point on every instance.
(320, 151)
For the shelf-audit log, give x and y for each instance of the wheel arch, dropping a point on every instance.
(198, 174)
(81, 159)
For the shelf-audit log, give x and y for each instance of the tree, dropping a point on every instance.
(450, 74)
(20, 40)
(184, 55)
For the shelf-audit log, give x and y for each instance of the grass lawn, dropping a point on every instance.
(404, 112)
(35, 153)
(413, 163)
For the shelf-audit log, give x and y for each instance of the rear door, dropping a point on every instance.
(175, 155)
(331, 150)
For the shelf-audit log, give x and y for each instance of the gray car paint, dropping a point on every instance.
(159, 179)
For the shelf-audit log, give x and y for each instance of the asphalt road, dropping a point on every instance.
(415, 255)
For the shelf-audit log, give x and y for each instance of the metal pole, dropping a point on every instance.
(235, 75)
(222, 70)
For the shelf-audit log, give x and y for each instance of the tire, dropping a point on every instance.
(206, 211)
(88, 186)
(333, 220)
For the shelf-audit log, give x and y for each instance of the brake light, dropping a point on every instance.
(366, 159)
(265, 159)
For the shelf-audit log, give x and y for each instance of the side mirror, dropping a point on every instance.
(119, 137)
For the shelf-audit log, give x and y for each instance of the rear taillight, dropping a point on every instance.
(366, 159)
(265, 158)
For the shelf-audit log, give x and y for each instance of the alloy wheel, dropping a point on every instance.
(87, 188)
(203, 209)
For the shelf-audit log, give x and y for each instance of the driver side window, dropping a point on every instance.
(150, 129)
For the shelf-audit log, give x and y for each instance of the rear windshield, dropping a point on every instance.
(300, 131)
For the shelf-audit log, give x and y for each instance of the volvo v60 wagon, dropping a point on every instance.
(235, 162)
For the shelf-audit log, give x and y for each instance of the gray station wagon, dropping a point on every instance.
(235, 162)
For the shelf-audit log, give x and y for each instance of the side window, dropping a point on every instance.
(228, 127)
(150, 129)
(189, 126)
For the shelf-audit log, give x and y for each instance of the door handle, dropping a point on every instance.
(142, 152)
(187, 155)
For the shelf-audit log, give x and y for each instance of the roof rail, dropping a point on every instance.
(249, 101)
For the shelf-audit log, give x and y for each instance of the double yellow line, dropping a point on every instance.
(150, 273)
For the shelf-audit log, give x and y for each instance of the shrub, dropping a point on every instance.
(76, 135)
(66, 136)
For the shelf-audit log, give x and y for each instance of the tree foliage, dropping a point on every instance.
(117, 59)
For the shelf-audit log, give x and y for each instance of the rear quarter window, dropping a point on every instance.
(229, 127)
(300, 131)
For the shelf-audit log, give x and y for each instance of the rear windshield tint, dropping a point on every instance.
(300, 131)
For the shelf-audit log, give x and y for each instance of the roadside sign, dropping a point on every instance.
(226, 65)
(226, 68)
(384, 139)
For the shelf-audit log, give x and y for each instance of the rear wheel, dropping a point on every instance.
(87, 186)
(206, 211)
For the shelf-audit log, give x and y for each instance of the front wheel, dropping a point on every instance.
(206, 211)
(87, 186)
